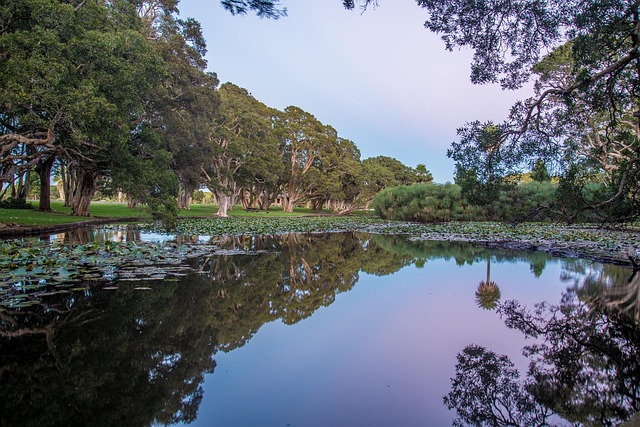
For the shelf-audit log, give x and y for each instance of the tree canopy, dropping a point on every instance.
(115, 97)
(584, 112)
(583, 118)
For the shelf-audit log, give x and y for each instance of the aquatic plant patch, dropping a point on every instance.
(605, 244)
(31, 267)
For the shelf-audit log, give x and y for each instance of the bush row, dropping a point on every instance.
(427, 202)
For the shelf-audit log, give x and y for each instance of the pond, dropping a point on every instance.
(334, 329)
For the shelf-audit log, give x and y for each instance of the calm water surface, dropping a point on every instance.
(342, 329)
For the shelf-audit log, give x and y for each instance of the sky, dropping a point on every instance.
(379, 77)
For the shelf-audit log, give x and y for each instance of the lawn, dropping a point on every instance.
(62, 214)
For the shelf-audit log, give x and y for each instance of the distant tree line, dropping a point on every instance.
(114, 96)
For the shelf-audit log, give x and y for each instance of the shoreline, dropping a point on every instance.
(561, 241)
(16, 231)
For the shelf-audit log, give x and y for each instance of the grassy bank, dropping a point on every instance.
(62, 214)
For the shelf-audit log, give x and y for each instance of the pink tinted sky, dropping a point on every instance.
(379, 77)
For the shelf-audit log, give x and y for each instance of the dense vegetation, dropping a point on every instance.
(583, 120)
(114, 97)
(525, 201)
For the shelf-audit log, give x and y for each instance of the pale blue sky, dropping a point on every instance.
(379, 78)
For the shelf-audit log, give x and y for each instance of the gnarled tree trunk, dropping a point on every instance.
(44, 172)
(184, 195)
(85, 188)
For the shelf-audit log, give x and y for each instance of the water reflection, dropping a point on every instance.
(488, 293)
(102, 358)
(605, 284)
(72, 359)
(81, 235)
(584, 365)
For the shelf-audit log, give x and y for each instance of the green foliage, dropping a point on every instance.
(476, 191)
(424, 202)
(15, 204)
(584, 109)
(540, 172)
(534, 201)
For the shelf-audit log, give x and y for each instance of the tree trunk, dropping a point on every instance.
(265, 201)
(20, 189)
(61, 191)
(44, 172)
(132, 202)
(184, 195)
(316, 204)
(287, 203)
(68, 183)
(83, 192)
(266, 195)
(224, 202)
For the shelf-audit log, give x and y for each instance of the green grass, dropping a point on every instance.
(31, 217)
(62, 214)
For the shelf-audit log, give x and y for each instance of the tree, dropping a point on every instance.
(240, 135)
(75, 76)
(262, 8)
(350, 193)
(260, 176)
(480, 164)
(540, 172)
(585, 108)
(382, 172)
(303, 141)
(586, 93)
(184, 107)
(423, 174)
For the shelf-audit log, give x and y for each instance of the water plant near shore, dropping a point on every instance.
(33, 266)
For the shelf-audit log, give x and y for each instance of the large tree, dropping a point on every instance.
(73, 76)
(304, 140)
(584, 113)
(241, 137)
(184, 107)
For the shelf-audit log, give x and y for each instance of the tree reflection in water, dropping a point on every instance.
(136, 357)
(488, 292)
(584, 365)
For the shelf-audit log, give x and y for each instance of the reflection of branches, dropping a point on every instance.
(587, 366)
(624, 296)
(486, 391)
(42, 319)
(609, 285)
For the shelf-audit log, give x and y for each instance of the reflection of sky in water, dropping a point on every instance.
(382, 354)
(120, 234)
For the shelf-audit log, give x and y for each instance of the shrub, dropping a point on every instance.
(425, 202)
(532, 201)
(15, 204)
